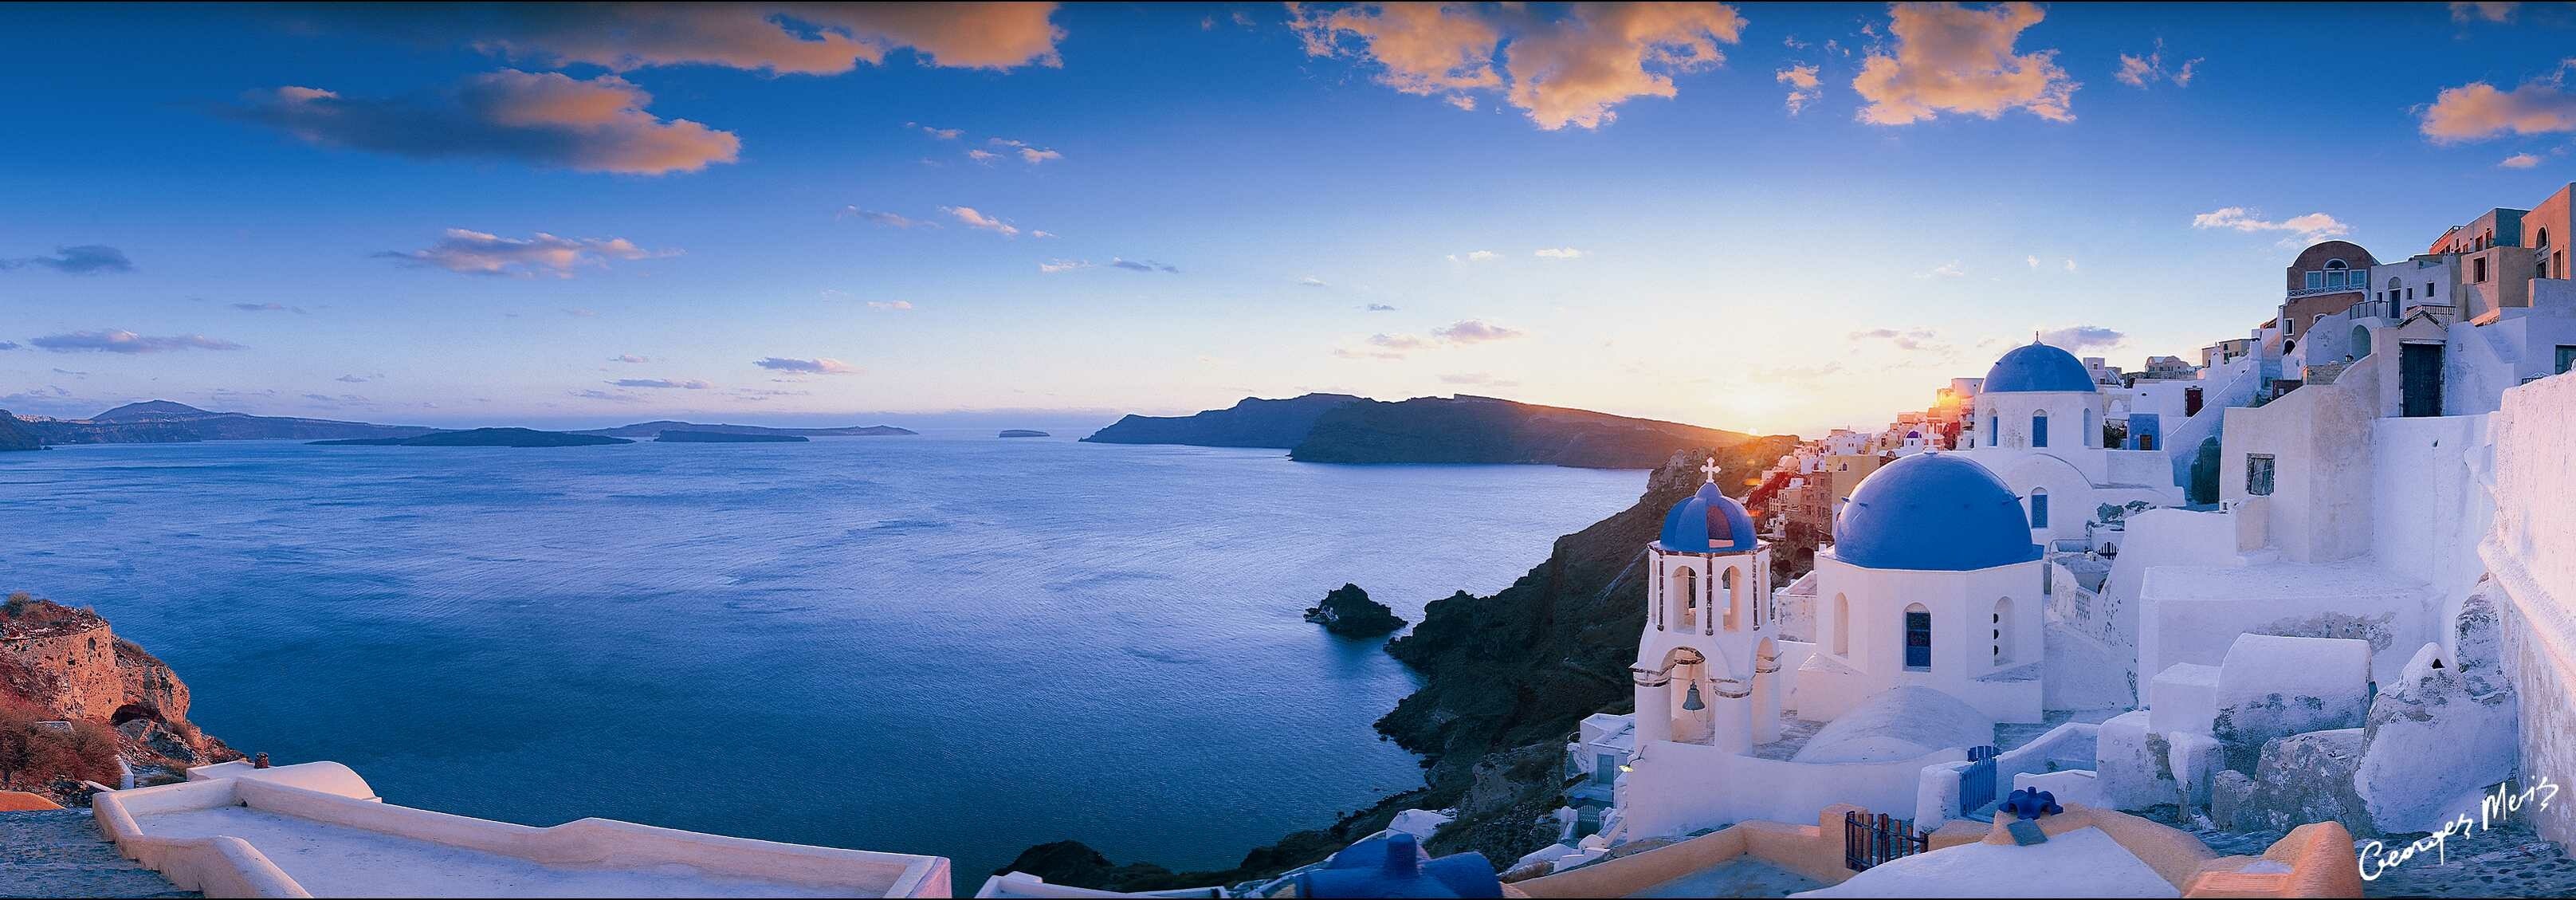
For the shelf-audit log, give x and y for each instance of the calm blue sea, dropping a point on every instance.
(959, 646)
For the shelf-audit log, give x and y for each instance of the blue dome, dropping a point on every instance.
(1933, 511)
(2037, 367)
(1708, 522)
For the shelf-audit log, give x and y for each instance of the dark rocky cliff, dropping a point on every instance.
(1251, 422)
(162, 421)
(1506, 678)
(1466, 429)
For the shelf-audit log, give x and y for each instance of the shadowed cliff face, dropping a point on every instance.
(15, 435)
(1507, 677)
(59, 663)
(1467, 429)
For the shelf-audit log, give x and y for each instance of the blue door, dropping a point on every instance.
(1918, 640)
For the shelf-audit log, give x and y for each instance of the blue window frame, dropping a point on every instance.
(2039, 429)
(2039, 509)
(1918, 640)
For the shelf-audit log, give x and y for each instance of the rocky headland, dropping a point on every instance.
(1022, 433)
(1251, 422)
(1348, 611)
(64, 665)
(15, 435)
(1505, 679)
(1340, 428)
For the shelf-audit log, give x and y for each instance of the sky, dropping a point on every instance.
(1777, 218)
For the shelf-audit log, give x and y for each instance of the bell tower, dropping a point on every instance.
(1707, 661)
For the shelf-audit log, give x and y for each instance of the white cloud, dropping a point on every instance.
(973, 218)
(945, 134)
(1558, 253)
(2079, 338)
(2309, 228)
(818, 366)
(1473, 256)
(1949, 269)
(622, 357)
(684, 384)
(2491, 12)
(1063, 265)
(897, 305)
(2520, 161)
(126, 342)
(2478, 110)
(1311, 281)
(1475, 331)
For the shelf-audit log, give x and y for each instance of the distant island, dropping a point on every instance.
(165, 422)
(1348, 611)
(655, 428)
(168, 422)
(724, 437)
(483, 437)
(1338, 428)
(1023, 432)
(1253, 422)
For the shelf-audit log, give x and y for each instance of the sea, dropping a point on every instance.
(951, 644)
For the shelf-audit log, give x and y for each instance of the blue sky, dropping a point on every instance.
(1276, 173)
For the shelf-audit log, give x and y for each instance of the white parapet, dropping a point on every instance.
(316, 829)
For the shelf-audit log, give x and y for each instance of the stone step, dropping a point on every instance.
(60, 853)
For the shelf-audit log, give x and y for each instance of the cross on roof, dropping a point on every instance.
(1710, 470)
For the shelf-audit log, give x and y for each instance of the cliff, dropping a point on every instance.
(15, 435)
(162, 421)
(1467, 429)
(1251, 422)
(1505, 679)
(661, 426)
(63, 664)
(483, 437)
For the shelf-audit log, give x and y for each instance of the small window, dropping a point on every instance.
(2316, 280)
(2039, 429)
(2258, 474)
(2566, 358)
(2480, 266)
(1918, 638)
(2039, 508)
(2428, 289)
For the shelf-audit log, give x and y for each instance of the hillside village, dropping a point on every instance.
(2295, 618)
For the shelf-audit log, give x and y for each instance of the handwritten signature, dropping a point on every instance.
(2502, 803)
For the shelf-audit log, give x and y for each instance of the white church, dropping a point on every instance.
(1927, 628)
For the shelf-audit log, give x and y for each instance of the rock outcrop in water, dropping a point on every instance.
(1251, 422)
(484, 437)
(63, 664)
(1022, 432)
(15, 435)
(1348, 611)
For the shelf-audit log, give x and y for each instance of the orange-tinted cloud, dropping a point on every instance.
(480, 253)
(1950, 58)
(543, 118)
(1568, 70)
(783, 38)
(2478, 110)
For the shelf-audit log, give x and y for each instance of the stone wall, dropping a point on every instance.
(2532, 553)
(75, 673)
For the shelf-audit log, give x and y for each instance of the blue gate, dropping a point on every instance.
(1977, 783)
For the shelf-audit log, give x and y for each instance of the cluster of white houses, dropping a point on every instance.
(2327, 574)
(2148, 589)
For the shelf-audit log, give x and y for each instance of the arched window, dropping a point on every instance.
(1918, 638)
(1842, 626)
(1690, 598)
(2542, 242)
(2003, 649)
(2091, 432)
(1994, 431)
(1726, 581)
(2038, 507)
(2039, 428)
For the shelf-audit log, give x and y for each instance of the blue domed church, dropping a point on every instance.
(2038, 426)
(1932, 581)
(1708, 660)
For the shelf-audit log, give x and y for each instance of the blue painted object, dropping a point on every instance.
(2037, 368)
(2145, 432)
(1708, 522)
(1395, 866)
(1936, 512)
(2029, 804)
